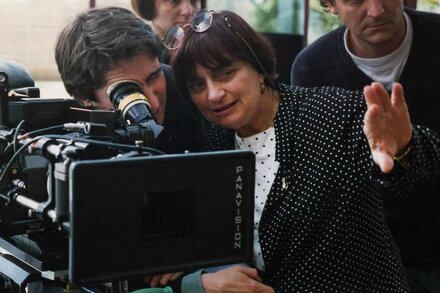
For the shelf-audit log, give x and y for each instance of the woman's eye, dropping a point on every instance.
(174, 2)
(354, 2)
(225, 74)
(196, 86)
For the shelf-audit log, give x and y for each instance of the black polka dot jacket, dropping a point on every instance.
(323, 227)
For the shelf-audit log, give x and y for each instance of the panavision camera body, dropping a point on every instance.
(85, 201)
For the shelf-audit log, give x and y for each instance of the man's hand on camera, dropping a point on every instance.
(234, 279)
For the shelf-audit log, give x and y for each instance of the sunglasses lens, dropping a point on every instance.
(202, 21)
(173, 37)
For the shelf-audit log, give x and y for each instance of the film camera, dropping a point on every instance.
(87, 200)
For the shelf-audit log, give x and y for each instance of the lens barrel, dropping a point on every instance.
(127, 96)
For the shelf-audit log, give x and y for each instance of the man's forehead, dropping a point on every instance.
(139, 65)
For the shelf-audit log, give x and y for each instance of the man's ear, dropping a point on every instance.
(85, 102)
(331, 6)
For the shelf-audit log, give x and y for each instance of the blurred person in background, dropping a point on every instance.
(163, 14)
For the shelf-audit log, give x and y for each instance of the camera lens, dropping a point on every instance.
(127, 96)
(119, 91)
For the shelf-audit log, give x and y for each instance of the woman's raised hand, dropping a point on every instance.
(387, 125)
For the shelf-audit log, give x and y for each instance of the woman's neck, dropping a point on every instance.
(158, 29)
(270, 108)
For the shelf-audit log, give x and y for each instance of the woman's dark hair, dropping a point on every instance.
(147, 8)
(220, 46)
(144, 8)
(96, 42)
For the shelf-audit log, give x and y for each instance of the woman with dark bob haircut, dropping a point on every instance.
(165, 13)
(220, 47)
(324, 157)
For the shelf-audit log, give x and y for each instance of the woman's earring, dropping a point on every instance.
(263, 88)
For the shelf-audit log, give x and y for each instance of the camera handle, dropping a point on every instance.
(4, 103)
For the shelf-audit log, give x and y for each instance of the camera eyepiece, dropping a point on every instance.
(3, 77)
(127, 96)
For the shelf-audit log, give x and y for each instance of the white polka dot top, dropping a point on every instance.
(323, 227)
(263, 146)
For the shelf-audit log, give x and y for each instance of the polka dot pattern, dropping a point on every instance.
(323, 227)
(263, 146)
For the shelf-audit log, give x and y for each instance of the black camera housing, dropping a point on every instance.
(85, 209)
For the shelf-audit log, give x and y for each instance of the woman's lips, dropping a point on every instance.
(225, 110)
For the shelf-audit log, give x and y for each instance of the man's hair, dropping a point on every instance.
(219, 46)
(144, 8)
(97, 41)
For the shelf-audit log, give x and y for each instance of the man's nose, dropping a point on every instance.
(153, 99)
(375, 8)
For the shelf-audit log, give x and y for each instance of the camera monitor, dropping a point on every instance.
(150, 215)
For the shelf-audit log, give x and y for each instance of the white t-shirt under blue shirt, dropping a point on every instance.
(386, 69)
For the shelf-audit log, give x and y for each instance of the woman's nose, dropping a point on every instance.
(187, 9)
(215, 92)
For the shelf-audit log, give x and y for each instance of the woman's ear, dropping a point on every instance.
(262, 84)
(261, 78)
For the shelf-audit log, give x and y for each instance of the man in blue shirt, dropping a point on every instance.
(385, 42)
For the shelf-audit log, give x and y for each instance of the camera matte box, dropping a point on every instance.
(157, 214)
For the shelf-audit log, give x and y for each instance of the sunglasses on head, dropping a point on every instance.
(200, 23)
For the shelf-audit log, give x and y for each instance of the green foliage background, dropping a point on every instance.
(263, 15)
